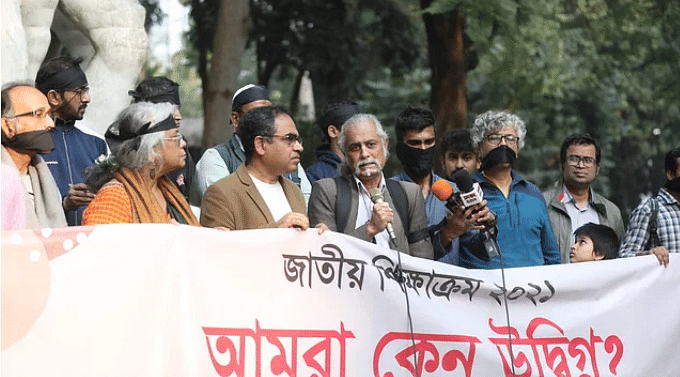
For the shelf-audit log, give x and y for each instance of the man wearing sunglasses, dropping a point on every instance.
(64, 84)
(525, 237)
(257, 195)
(572, 202)
(26, 126)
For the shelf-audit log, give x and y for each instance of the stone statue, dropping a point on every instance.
(108, 34)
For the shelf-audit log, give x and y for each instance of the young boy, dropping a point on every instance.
(594, 242)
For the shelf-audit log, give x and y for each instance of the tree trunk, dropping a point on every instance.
(295, 96)
(229, 42)
(445, 41)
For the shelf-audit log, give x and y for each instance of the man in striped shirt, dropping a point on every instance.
(666, 238)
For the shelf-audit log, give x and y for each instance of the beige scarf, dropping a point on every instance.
(145, 207)
(45, 211)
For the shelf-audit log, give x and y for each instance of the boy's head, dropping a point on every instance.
(458, 153)
(594, 242)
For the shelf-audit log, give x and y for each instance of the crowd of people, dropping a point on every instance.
(57, 173)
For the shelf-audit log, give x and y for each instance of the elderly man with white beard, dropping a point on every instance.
(346, 203)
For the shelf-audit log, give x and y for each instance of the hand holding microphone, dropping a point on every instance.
(382, 216)
(471, 200)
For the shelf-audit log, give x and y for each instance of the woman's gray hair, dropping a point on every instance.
(135, 153)
(494, 121)
(129, 154)
(356, 119)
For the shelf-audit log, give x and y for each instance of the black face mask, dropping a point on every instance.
(502, 154)
(417, 162)
(37, 141)
(673, 185)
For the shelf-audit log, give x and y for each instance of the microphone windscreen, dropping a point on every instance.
(376, 196)
(442, 190)
(463, 180)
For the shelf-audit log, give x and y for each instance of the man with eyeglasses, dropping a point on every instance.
(572, 201)
(26, 126)
(223, 159)
(525, 237)
(257, 195)
(64, 84)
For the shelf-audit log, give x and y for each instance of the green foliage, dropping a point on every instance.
(608, 68)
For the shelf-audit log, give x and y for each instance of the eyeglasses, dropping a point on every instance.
(37, 113)
(574, 160)
(81, 91)
(496, 139)
(290, 138)
(177, 138)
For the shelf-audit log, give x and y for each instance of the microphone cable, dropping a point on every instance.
(507, 309)
(402, 283)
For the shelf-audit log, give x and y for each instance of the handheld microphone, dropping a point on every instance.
(377, 197)
(469, 195)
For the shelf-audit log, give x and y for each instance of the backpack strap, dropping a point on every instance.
(400, 202)
(342, 202)
(401, 205)
(653, 225)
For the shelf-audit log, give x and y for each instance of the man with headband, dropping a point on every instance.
(654, 226)
(64, 84)
(26, 126)
(164, 90)
(329, 156)
(415, 128)
(223, 159)
(525, 236)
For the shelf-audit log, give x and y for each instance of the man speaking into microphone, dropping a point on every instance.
(362, 203)
(525, 237)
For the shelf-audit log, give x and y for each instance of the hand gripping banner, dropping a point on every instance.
(165, 300)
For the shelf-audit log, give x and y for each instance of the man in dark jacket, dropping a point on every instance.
(64, 84)
(329, 156)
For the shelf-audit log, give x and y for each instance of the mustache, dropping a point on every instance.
(366, 161)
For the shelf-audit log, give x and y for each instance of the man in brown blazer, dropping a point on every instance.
(258, 196)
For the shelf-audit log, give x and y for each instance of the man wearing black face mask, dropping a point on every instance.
(415, 128)
(26, 126)
(525, 236)
(666, 237)
(64, 84)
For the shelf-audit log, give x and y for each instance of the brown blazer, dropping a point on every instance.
(235, 203)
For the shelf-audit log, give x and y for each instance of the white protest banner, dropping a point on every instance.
(165, 300)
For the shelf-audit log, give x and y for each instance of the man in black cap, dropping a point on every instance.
(220, 161)
(329, 156)
(164, 90)
(64, 84)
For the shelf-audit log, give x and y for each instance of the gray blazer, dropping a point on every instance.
(322, 210)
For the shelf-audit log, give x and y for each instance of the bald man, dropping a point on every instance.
(26, 125)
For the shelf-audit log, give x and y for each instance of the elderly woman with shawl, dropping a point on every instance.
(130, 185)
